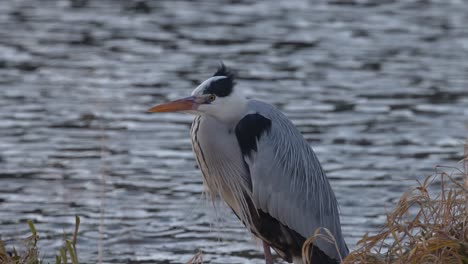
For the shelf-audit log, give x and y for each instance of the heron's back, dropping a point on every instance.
(288, 181)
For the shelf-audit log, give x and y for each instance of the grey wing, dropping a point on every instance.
(288, 181)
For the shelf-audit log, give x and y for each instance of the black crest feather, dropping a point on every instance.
(224, 71)
(223, 86)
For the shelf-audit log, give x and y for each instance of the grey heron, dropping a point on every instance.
(254, 158)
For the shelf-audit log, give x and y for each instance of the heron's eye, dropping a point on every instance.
(211, 98)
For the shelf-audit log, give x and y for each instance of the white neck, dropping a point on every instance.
(229, 109)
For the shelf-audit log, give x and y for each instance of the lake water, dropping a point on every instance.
(378, 88)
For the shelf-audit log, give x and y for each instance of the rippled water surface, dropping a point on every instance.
(378, 88)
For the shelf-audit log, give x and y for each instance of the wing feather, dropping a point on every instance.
(287, 179)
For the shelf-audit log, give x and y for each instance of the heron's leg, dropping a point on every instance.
(268, 256)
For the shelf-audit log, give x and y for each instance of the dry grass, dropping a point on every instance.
(320, 233)
(30, 252)
(426, 226)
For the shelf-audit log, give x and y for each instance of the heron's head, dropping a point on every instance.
(215, 96)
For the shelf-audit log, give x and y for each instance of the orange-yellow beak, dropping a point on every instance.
(184, 104)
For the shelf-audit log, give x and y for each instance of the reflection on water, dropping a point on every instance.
(377, 87)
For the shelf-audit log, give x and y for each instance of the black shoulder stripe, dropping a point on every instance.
(249, 130)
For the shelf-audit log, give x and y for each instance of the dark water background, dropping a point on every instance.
(378, 88)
